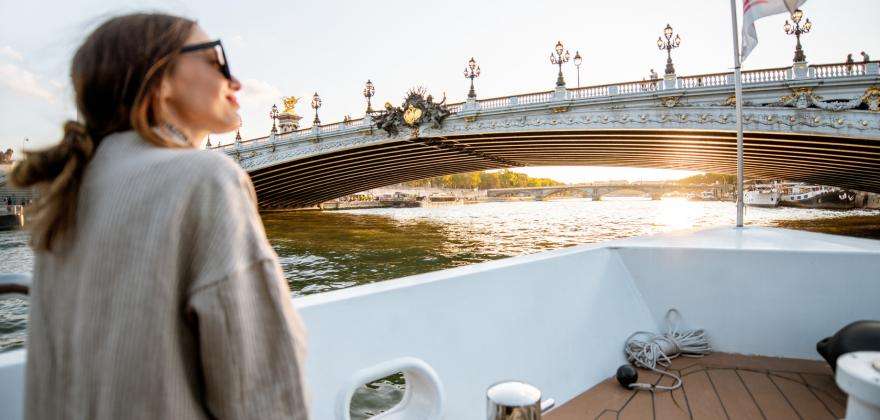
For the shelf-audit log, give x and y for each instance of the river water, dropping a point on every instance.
(322, 251)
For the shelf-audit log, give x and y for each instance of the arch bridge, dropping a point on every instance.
(818, 124)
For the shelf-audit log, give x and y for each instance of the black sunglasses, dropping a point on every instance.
(217, 46)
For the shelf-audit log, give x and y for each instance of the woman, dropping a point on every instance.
(155, 292)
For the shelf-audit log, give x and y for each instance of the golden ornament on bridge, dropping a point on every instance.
(411, 115)
(290, 104)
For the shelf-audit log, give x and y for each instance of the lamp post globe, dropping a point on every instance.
(797, 30)
(668, 44)
(472, 71)
(561, 56)
(369, 91)
(273, 114)
(316, 103)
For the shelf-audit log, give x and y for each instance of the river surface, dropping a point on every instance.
(322, 251)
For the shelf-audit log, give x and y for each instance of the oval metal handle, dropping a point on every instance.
(15, 284)
(423, 399)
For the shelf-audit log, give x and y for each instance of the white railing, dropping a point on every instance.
(768, 75)
(631, 88)
(705, 80)
(360, 122)
(454, 108)
(495, 103)
(824, 71)
(592, 91)
(532, 98)
(820, 71)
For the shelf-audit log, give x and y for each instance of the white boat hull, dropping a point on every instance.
(761, 198)
(558, 319)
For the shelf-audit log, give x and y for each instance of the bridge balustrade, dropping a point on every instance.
(711, 80)
(706, 80)
(591, 92)
(839, 70)
(766, 75)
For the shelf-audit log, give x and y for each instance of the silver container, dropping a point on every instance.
(513, 401)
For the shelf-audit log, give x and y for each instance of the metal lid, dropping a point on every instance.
(513, 394)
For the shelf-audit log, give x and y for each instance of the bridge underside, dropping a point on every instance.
(845, 162)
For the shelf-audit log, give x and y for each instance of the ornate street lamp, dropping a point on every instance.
(470, 72)
(316, 103)
(668, 45)
(797, 30)
(577, 63)
(558, 59)
(273, 114)
(369, 91)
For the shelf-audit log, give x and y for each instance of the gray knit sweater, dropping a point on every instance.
(169, 303)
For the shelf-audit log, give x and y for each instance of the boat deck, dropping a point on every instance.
(718, 386)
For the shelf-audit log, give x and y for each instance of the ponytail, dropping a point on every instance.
(57, 172)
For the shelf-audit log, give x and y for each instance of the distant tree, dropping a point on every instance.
(483, 180)
(709, 178)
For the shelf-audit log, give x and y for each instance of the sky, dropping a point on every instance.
(282, 48)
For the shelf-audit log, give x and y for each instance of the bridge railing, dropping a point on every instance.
(455, 108)
(359, 122)
(710, 80)
(705, 80)
(826, 71)
(766, 75)
(590, 92)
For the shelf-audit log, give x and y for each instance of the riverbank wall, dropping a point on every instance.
(374, 204)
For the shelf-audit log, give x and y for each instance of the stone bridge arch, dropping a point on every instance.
(821, 126)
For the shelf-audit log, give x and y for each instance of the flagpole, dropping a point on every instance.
(737, 75)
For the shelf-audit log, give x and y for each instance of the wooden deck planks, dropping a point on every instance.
(607, 397)
(772, 403)
(719, 386)
(670, 405)
(702, 397)
(735, 398)
(804, 402)
(826, 390)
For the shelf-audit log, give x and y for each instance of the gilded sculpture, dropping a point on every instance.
(418, 107)
(290, 104)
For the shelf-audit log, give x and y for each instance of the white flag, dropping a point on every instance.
(756, 9)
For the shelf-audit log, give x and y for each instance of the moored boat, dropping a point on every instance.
(762, 195)
(819, 197)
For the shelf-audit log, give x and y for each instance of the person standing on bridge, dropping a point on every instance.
(156, 294)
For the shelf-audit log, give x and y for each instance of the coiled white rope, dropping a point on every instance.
(648, 350)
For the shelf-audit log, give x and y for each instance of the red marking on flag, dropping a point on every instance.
(747, 4)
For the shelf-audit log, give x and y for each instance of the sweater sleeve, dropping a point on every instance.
(252, 345)
(224, 230)
(250, 338)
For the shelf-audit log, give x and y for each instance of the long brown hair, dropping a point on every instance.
(116, 75)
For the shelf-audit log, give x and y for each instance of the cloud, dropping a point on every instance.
(256, 98)
(258, 92)
(24, 82)
(9, 52)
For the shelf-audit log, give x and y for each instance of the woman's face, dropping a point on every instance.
(197, 95)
